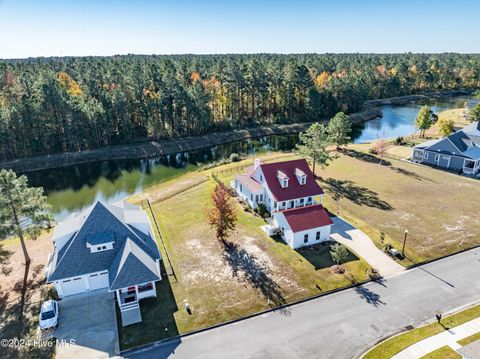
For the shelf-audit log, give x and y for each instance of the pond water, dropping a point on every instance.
(74, 188)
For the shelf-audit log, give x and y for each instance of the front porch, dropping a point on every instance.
(471, 167)
(128, 301)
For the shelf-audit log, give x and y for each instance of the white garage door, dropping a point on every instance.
(73, 286)
(98, 280)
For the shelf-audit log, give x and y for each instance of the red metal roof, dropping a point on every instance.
(304, 218)
(294, 189)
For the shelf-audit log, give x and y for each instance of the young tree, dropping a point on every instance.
(339, 129)
(424, 120)
(445, 127)
(19, 202)
(381, 147)
(222, 216)
(474, 113)
(339, 253)
(313, 144)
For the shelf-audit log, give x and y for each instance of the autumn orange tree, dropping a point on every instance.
(222, 216)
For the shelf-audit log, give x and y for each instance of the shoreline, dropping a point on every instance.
(155, 149)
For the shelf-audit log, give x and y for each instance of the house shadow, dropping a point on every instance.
(158, 321)
(319, 255)
(361, 196)
(248, 267)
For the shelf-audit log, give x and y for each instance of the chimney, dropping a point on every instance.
(256, 163)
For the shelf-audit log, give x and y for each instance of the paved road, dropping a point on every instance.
(341, 325)
(344, 233)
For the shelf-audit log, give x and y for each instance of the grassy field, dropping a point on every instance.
(443, 353)
(470, 339)
(396, 344)
(253, 272)
(436, 207)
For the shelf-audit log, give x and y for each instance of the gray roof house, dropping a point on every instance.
(459, 152)
(106, 247)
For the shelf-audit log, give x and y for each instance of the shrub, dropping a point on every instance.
(262, 210)
(234, 157)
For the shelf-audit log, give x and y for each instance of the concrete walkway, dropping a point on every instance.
(448, 337)
(361, 244)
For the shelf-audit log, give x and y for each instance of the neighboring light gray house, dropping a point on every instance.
(107, 247)
(459, 152)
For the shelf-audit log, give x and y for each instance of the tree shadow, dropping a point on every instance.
(319, 255)
(5, 255)
(369, 296)
(411, 174)
(366, 157)
(356, 194)
(258, 274)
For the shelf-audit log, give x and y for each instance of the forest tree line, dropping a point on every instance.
(52, 105)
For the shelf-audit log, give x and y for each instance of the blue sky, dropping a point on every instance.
(106, 27)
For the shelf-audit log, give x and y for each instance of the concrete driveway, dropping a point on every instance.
(88, 320)
(344, 233)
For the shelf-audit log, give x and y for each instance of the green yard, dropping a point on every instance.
(437, 208)
(396, 344)
(220, 283)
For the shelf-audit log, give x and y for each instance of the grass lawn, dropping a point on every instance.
(443, 353)
(396, 344)
(253, 272)
(470, 339)
(437, 208)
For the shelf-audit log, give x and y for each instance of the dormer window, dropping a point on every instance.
(283, 179)
(99, 242)
(301, 176)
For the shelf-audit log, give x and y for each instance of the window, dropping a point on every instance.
(309, 199)
(261, 198)
(241, 188)
(251, 197)
(317, 237)
(301, 200)
(437, 158)
(425, 155)
(261, 178)
(99, 248)
(104, 247)
(256, 198)
(145, 287)
(285, 183)
(305, 238)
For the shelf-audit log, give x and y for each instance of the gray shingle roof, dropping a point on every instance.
(132, 266)
(75, 258)
(101, 238)
(463, 143)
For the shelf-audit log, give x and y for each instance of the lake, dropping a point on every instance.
(74, 188)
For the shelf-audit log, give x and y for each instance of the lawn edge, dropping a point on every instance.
(147, 346)
(420, 325)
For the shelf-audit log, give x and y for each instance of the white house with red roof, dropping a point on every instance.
(290, 193)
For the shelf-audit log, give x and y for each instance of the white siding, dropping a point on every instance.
(296, 240)
(312, 233)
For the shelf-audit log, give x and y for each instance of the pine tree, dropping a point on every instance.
(339, 129)
(313, 144)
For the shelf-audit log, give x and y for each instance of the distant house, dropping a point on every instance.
(459, 152)
(107, 247)
(293, 197)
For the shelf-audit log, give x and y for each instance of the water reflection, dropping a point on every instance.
(76, 187)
